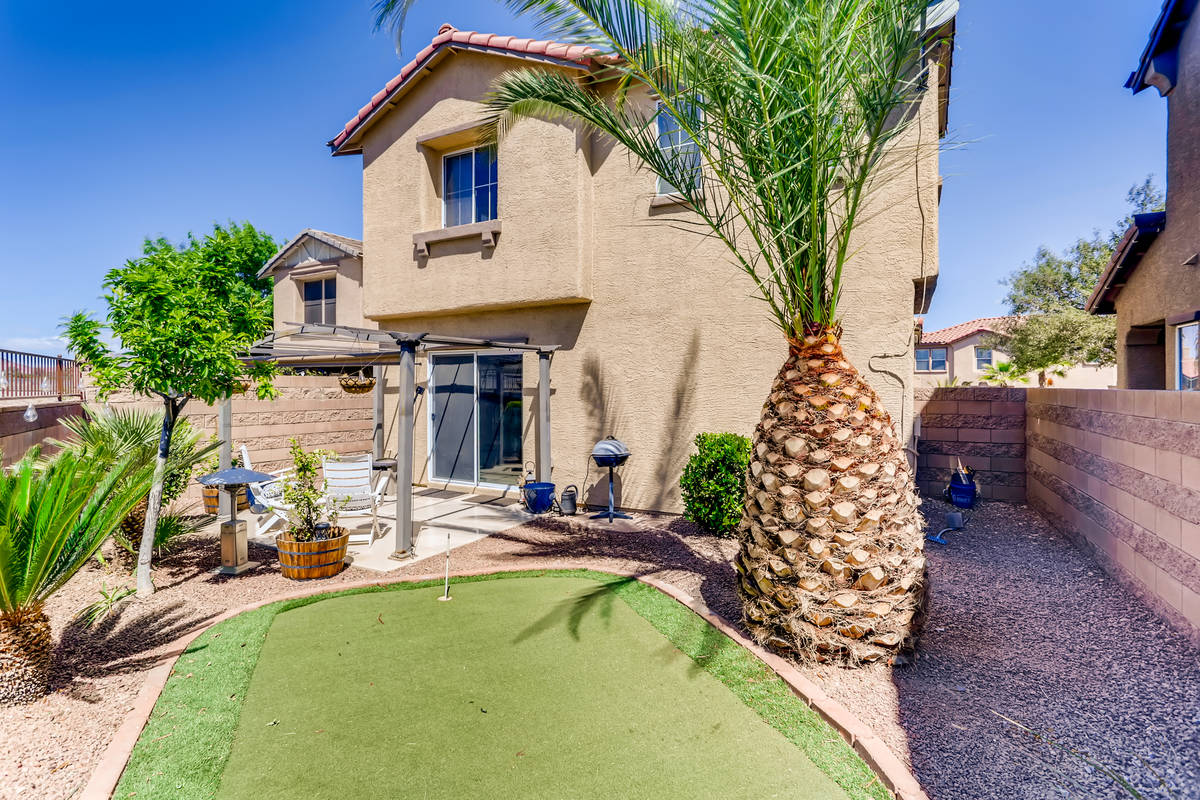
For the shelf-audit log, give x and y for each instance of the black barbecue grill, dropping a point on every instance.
(611, 453)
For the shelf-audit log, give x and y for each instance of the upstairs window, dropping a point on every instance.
(983, 358)
(680, 147)
(470, 181)
(931, 359)
(320, 301)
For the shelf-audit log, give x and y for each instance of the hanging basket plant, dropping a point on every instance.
(356, 384)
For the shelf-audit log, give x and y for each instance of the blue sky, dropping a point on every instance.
(124, 120)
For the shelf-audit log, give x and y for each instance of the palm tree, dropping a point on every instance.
(53, 517)
(109, 434)
(1003, 374)
(771, 119)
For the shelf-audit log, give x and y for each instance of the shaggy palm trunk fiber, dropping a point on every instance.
(831, 565)
(25, 649)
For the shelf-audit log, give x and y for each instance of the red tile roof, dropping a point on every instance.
(964, 329)
(450, 37)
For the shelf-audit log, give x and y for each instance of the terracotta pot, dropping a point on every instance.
(212, 498)
(304, 561)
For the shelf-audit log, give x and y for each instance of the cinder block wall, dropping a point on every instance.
(17, 435)
(1119, 472)
(982, 426)
(314, 409)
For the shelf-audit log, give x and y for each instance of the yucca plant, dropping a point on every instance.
(54, 515)
(772, 119)
(109, 434)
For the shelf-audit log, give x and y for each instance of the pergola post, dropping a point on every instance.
(225, 452)
(407, 388)
(377, 414)
(543, 418)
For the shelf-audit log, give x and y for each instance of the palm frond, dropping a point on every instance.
(55, 515)
(789, 107)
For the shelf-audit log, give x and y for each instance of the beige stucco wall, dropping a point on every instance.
(660, 336)
(1162, 286)
(960, 364)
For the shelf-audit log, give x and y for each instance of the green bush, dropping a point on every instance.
(714, 481)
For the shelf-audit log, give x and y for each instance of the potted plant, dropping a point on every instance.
(212, 494)
(313, 546)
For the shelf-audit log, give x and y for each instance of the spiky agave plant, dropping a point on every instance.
(53, 517)
(771, 119)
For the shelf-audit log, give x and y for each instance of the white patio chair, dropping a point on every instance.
(348, 486)
(268, 496)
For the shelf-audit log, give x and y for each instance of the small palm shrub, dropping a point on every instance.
(54, 515)
(714, 481)
(109, 434)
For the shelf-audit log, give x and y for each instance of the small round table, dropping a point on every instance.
(387, 466)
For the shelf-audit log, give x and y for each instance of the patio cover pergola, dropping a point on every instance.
(325, 346)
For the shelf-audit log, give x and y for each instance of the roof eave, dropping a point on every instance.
(1141, 233)
(352, 144)
(311, 233)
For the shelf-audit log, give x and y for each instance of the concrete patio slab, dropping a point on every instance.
(447, 520)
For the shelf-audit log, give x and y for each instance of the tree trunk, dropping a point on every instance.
(145, 584)
(831, 562)
(25, 650)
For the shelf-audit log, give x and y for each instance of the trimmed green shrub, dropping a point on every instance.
(714, 481)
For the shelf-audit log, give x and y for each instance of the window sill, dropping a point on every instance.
(669, 201)
(487, 232)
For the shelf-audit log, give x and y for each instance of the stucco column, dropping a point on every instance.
(225, 452)
(407, 387)
(543, 418)
(377, 414)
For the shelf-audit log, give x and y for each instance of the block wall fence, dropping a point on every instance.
(1119, 472)
(982, 426)
(314, 409)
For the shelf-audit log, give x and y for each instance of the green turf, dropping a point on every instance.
(530, 687)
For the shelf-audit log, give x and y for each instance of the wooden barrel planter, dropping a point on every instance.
(303, 561)
(212, 499)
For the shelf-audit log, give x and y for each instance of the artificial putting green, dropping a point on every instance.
(569, 685)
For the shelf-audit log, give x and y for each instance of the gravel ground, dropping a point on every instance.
(1022, 624)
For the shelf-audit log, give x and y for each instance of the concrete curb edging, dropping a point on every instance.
(895, 776)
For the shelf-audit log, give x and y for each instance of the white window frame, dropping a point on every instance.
(931, 370)
(321, 279)
(661, 187)
(991, 357)
(1178, 365)
(459, 152)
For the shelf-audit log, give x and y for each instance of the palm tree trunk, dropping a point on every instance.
(831, 561)
(25, 651)
(145, 583)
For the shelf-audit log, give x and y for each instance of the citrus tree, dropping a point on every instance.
(770, 119)
(180, 316)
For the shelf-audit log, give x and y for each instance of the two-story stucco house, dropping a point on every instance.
(1152, 282)
(558, 237)
(963, 353)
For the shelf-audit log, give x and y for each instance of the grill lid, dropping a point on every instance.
(610, 446)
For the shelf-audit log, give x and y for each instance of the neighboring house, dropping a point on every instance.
(1152, 282)
(318, 278)
(963, 353)
(559, 237)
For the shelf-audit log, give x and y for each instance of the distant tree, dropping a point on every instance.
(1049, 296)
(179, 316)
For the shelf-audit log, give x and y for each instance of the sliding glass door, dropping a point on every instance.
(475, 418)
